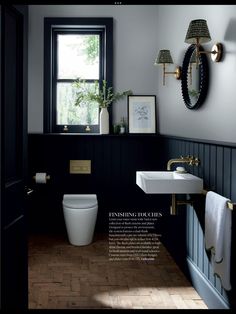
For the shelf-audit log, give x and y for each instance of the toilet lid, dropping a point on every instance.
(80, 200)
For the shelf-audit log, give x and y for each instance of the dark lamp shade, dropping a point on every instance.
(164, 56)
(197, 29)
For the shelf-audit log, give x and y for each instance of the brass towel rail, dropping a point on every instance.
(230, 204)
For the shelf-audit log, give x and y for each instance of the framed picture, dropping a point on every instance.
(142, 113)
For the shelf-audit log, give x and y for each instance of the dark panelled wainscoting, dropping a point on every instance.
(218, 170)
(114, 162)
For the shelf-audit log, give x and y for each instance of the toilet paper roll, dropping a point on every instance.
(41, 177)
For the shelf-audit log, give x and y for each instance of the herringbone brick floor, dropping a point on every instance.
(62, 276)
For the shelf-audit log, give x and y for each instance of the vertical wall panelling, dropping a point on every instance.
(226, 172)
(200, 256)
(190, 221)
(213, 159)
(219, 188)
(195, 153)
(115, 160)
(201, 157)
(206, 166)
(218, 170)
(195, 238)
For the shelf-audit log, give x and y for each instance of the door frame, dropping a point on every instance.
(22, 10)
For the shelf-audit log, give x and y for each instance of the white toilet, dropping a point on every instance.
(80, 214)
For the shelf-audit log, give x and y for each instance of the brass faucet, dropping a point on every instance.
(191, 160)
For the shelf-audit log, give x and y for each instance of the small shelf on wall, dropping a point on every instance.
(96, 134)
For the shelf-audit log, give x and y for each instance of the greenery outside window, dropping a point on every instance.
(75, 48)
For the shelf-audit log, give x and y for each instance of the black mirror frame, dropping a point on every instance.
(203, 74)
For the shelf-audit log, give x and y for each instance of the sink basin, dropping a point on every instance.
(168, 182)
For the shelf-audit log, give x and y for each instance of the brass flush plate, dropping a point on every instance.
(80, 166)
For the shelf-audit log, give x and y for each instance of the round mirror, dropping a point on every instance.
(195, 77)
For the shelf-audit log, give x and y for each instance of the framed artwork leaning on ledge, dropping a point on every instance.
(142, 113)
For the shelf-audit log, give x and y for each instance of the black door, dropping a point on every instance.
(14, 286)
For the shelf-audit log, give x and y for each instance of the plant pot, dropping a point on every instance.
(122, 129)
(104, 121)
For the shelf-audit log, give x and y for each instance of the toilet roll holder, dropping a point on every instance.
(47, 177)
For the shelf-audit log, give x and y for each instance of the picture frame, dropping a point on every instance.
(142, 113)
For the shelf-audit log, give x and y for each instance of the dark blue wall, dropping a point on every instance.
(115, 160)
(218, 170)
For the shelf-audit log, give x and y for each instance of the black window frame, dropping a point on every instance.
(53, 26)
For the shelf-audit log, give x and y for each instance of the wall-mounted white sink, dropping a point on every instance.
(168, 182)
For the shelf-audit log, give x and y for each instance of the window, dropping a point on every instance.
(74, 48)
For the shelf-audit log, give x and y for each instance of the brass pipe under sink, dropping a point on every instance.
(175, 203)
(191, 160)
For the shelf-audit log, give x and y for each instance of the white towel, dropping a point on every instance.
(218, 222)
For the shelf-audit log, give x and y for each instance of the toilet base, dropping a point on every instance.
(80, 226)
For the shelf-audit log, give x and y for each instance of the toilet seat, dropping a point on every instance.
(79, 210)
(85, 201)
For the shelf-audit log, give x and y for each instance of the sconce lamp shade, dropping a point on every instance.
(197, 29)
(164, 56)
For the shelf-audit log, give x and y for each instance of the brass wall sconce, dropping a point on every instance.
(164, 57)
(197, 34)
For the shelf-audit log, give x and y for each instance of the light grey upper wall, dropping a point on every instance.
(216, 119)
(139, 32)
(135, 48)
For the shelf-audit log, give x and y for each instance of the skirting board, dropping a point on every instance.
(207, 292)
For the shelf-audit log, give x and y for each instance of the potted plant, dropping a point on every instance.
(104, 97)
